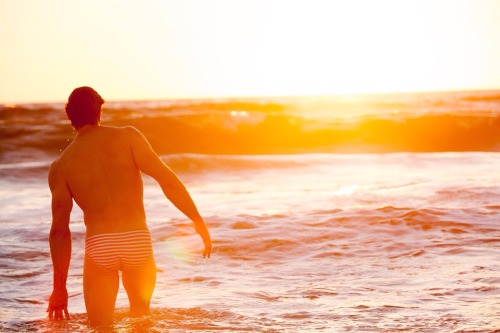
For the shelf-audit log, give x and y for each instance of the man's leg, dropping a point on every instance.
(139, 284)
(100, 287)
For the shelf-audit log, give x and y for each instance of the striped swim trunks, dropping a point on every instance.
(120, 251)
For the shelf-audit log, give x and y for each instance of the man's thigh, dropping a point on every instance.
(139, 284)
(100, 287)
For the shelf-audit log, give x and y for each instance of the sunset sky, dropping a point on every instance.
(129, 50)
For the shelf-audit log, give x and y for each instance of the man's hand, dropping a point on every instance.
(205, 236)
(58, 304)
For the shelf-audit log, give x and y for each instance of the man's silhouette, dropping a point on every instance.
(101, 171)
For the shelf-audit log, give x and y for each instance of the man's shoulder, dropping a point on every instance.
(55, 170)
(54, 165)
(127, 135)
(59, 162)
(127, 130)
(132, 133)
(118, 128)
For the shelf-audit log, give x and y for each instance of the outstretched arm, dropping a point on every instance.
(60, 243)
(151, 164)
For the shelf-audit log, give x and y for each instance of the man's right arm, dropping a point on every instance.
(151, 164)
(60, 242)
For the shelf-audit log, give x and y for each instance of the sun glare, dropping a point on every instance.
(178, 250)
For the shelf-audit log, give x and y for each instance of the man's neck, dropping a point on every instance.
(86, 129)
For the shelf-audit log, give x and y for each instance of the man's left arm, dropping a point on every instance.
(60, 243)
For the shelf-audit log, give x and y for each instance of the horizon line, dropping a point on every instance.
(242, 97)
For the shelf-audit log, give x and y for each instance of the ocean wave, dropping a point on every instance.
(222, 163)
(25, 165)
(414, 123)
(16, 273)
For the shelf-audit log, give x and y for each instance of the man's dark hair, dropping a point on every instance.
(84, 107)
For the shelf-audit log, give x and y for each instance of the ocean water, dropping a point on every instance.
(332, 214)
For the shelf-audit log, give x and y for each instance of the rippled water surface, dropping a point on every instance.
(302, 243)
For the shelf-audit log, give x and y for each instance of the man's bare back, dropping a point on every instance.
(101, 172)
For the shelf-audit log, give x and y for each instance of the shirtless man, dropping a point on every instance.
(101, 171)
